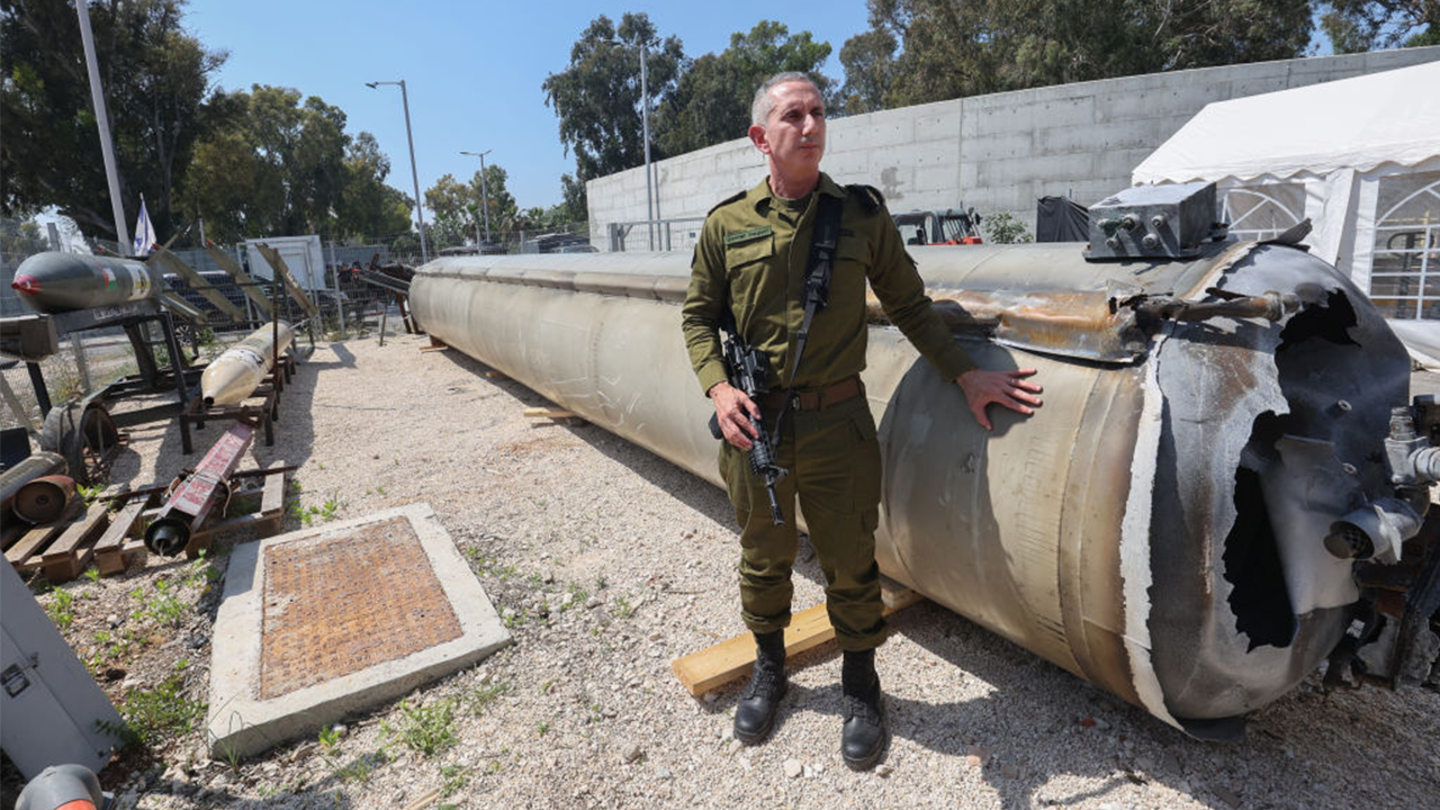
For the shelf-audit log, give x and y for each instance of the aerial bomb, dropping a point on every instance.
(53, 282)
(233, 375)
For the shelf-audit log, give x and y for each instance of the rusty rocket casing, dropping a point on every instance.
(24, 472)
(192, 501)
(54, 282)
(43, 499)
(233, 375)
(1157, 528)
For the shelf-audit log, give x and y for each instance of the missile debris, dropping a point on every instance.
(1157, 528)
(190, 505)
(52, 282)
(232, 376)
(44, 499)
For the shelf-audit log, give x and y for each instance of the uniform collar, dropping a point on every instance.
(761, 197)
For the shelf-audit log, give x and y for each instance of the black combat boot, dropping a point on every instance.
(864, 737)
(755, 713)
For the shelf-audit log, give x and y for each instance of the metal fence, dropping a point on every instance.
(678, 234)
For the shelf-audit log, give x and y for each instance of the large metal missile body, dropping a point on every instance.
(54, 282)
(233, 375)
(1156, 528)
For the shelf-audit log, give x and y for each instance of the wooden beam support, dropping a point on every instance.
(549, 413)
(732, 659)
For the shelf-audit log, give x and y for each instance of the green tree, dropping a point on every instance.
(955, 48)
(458, 212)
(575, 202)
(20, 238)
(270, 164)
(155, 77)
(369, 207)
(869, 62)
(1355, 26)
(711, 103)
(597, 98)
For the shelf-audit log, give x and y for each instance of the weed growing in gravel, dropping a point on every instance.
(161, 713)
(623, 609)
(487, 565)
(90, 493)
(578, 596)
(93, 574)
(483, 696)
(427, 729)
(542, 728)
(601, 583)
(164, 607)
(60, 609)
(456, 777)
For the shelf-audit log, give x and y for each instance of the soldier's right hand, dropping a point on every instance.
(733, 411)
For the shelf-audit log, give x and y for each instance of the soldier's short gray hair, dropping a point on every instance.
(763, 104)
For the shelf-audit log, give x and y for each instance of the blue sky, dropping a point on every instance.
(473, 70)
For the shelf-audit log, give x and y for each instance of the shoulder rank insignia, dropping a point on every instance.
(739, 195)
(870, 196)
(747, 235)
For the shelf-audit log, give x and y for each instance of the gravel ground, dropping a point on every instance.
(609, 562)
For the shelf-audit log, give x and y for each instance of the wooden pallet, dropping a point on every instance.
(732, 659)
(62, 548)
(265, 521)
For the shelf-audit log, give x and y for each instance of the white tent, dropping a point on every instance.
(1360, 157)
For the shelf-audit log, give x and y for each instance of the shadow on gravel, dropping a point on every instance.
(294, 430)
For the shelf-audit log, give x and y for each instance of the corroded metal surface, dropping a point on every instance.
(338, 604)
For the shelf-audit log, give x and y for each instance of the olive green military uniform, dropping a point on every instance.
(753, 255)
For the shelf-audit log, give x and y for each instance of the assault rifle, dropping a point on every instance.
(747, 367)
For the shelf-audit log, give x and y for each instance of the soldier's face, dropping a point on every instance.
(794, 134)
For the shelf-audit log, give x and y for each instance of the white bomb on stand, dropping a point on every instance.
(233, 376)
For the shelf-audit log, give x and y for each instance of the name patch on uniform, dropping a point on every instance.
(746, 236)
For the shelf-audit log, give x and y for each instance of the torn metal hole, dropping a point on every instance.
(1259, 599)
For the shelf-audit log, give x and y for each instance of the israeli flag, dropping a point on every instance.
(144, 232)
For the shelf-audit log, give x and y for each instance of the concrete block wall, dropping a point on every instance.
(998, 153)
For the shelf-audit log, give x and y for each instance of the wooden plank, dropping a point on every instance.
(548, 413)
(273, 499)
(107, 549)
(424, 349)
(732, 659)
(37, 538)
(66, 558)
(492, 374)
(32, 541)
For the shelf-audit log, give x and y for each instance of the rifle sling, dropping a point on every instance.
(817, 288)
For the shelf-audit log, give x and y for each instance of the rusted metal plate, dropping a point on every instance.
(340, 603)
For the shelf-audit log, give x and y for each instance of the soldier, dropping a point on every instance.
(753, 257)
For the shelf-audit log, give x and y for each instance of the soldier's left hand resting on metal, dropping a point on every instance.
(1007, 388)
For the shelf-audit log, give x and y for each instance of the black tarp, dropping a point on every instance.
(1061, 219)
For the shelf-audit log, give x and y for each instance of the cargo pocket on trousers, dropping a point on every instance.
(866, 492)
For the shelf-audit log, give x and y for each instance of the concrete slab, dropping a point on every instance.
(327, 621)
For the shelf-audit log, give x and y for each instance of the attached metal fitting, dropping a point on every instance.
(1412, 460)
(1376, 531)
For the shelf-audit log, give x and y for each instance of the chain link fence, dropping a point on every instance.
(669, 235)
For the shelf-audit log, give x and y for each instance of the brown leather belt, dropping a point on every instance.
(846, 389)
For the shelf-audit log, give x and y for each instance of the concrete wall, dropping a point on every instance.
(998, 153)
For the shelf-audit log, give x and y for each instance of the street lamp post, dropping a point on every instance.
(414, 174)
(645, 128)
(484, 195)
